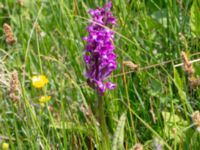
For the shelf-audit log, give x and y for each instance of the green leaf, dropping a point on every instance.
(119, 134)
(117, 2)
(161, 17)
(69, 126)
(174, 126)
(179, 83)
(195, 17)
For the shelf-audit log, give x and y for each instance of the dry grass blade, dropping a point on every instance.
(131, 65)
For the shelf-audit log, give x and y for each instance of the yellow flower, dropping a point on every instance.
(44, 99)
(5, 146)
(39, 81)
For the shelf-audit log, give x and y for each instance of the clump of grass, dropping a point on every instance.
(45, 37)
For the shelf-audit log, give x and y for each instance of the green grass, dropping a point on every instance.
(148, 32)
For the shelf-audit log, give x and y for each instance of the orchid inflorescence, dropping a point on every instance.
(99, 55)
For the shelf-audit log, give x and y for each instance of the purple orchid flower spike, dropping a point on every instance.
(99, 55)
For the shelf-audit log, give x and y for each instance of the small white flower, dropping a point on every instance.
(42, 34)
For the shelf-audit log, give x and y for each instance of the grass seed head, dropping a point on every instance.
(10, 39)
(37, 27)
(138, 146)
(131, 65)
(14, 81)
(194, 82)
(196, 118)
(157, 144)
(186, 64)
(85, 110)
(183, 40)
(14, 86)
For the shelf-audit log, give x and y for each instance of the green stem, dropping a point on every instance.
(102, 122)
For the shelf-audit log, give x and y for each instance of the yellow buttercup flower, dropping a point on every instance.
(5, 146)
(39, 81)
(44, 99)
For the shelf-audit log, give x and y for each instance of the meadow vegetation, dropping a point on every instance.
(45, 102)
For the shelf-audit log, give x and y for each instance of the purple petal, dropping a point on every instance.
(110, 85)
(99, 55)
(101, 86)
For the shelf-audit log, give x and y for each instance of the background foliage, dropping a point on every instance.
(151, 106)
